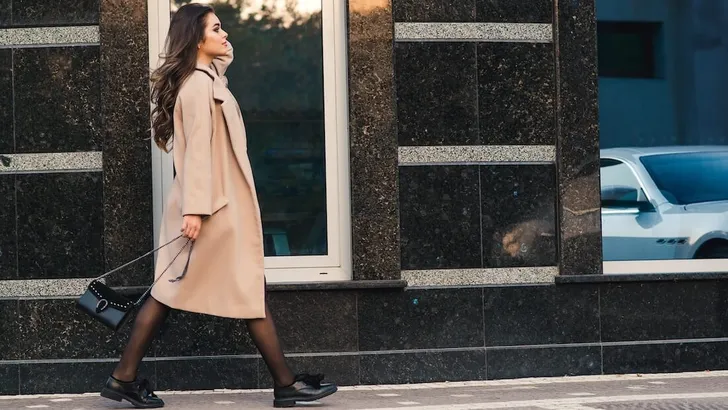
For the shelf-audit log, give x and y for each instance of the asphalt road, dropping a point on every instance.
(686, 391)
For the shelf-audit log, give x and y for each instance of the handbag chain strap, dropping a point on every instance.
(149, 289)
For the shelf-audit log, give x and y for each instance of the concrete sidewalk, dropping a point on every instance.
(689, 391)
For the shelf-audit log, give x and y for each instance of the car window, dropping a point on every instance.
(689, 178)
(618, 182)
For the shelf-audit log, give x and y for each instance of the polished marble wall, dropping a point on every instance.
(390, 336)
(486, 74)
(485, 88)
(75, 167)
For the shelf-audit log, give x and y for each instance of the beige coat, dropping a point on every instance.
(214, 177)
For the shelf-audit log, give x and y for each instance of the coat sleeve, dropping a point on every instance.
(221, 64)
(197, 128)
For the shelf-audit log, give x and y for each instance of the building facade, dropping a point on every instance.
(436, 205)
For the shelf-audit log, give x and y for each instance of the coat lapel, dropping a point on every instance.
(234, 122)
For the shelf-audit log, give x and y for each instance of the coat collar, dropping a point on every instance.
(208, 70)
(219, 88)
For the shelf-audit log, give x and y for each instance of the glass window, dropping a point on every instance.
(289, 77)
(277, 78)
(663, 134)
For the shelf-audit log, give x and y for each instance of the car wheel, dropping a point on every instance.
(716, 250)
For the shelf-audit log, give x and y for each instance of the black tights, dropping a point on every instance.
(151, 316)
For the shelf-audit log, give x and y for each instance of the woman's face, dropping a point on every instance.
(215, 42)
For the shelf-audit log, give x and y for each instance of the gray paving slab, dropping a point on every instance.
(696, 391)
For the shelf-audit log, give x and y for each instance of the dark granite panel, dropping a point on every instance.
(191, 334)
(207, 374)
(515, 11)
(516, 93)
(544, 362)
(340, 369)
(60, 225)
(400, 368)
(440, 217)
(6, 12)
(67, 378)
(437, 95)
(666, 358)
(56, 329)
(421, 319)
(531, 315)
(9, 382)
(8, 232)
(373, 142)
(57, 99)
(10, 344)
(577, 150)
(128, 224)
(438, 11)
(519, 202)
(54, 13)
(7, 126)
(315, 321)
(658, 311)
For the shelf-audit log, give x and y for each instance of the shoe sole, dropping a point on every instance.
(112, 395)
(284, 403)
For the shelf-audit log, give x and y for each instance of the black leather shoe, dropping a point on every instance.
(138, 393)
(306, 388)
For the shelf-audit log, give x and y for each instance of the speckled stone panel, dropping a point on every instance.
(480, 153)
(54, 13)
(373, 139)
(59, 161)
(7, 126)
(60, 225)
(579, 213)
(434, 10)
(128, 224)
(516, 93)
(537, 33)
(57, 99)
(49, 36)
(6, 11)
(42, 287)
(8, 232)
(437, 96)
(515, 11)
(518, 222)
(466, 277)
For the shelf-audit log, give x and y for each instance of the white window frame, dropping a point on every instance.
(337, 265)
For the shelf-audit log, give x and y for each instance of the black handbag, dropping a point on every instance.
(111, 308)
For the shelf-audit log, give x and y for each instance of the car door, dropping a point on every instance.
(629, 231)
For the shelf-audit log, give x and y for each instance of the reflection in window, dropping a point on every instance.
(277, 78)
(618, 182)
(628, 49)
(663, 94)
(690, 177)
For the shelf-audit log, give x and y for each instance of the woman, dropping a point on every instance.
(214, 202)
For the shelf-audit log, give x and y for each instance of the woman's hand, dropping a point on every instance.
(191, 225)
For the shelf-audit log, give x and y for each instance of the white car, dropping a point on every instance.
(665, 203)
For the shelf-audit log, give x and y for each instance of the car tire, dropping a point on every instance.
(715, 250)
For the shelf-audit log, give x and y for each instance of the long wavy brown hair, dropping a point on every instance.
(186, 31)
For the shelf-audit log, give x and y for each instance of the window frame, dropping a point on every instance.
(337, 264)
